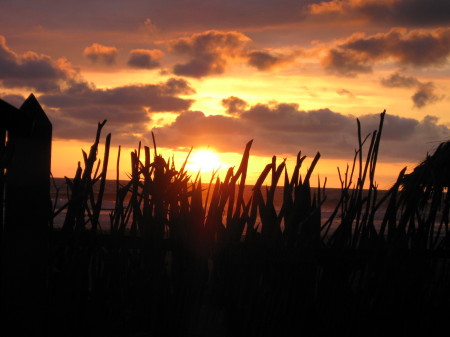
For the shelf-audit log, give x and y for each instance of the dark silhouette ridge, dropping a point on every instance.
(171, 262)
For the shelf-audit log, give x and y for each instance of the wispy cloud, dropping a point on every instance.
(345, 92)
(425, 92)
(426, 95)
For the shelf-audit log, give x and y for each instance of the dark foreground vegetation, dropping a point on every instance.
(174, 263)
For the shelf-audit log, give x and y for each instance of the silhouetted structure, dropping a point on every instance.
(28, 157)
(25, 145)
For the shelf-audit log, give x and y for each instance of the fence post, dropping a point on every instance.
(6, 110)
(28, 172)
(26, 219)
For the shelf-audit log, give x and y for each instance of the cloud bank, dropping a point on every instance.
(416, 48)
(128, 109)
(283, 128)
(32, 70)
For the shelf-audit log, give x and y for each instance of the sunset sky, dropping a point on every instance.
(292, 75)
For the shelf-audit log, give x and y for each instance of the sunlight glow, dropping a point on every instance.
(204, 161)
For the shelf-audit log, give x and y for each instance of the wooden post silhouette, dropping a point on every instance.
(6, 111)
(28, 171)
(27, 211)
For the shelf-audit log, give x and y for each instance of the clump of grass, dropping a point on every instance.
(177, 263)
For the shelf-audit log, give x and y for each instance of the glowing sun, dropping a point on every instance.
(203, 160)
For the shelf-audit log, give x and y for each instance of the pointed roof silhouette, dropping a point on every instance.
(7, 111)
(29, 120)
(37, 121)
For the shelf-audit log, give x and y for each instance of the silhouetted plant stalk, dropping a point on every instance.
(170, 255)
(82, 208)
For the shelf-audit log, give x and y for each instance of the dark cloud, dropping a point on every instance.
(210, 52)
(397, 80)
(128, 109)
(32, 70)
(263, 60)
(177, 86)
(158, 97)
(417, 48)
(169, 16)
(395, 128)
(345, 63)
(286, 117)
(285, 129)
(145, 58)
(397, 12)
(277, 129)
(425, 92)
(194, 128)
(234, 104)
(98, 53)
(408, 138)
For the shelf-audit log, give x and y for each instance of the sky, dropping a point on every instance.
(291, 75)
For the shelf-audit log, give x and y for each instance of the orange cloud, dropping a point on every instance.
(210, 52)
(98, 53)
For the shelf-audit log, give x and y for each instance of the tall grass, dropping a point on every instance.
(174, 263)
